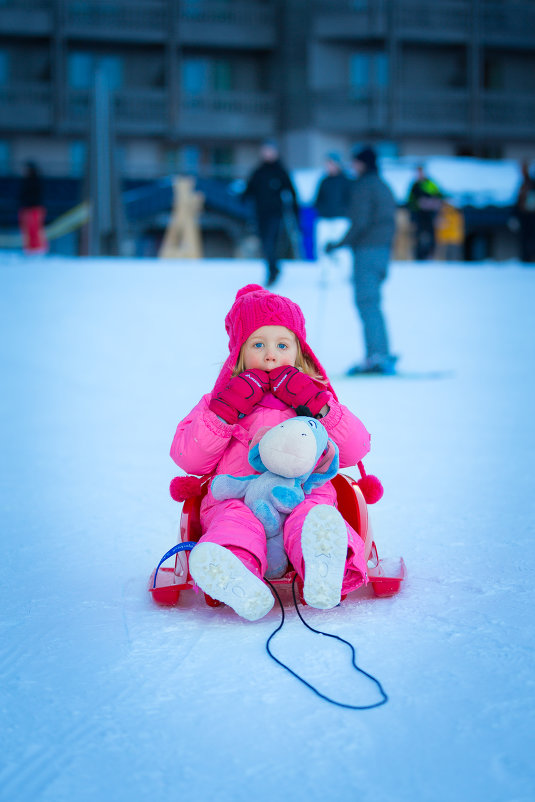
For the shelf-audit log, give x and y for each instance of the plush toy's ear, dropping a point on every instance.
(254, 453)
(326, 468)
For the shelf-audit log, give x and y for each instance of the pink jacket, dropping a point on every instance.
(204, 444)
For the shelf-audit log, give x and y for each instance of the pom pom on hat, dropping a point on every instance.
(182, 487)
(370, 486)
(249, 288)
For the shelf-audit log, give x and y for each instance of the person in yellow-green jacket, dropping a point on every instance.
(424, 202)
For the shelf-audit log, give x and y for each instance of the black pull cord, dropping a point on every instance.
(384, 699)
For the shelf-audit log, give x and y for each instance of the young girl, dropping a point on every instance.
(270, 372)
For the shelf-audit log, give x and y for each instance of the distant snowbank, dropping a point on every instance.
(467, 181)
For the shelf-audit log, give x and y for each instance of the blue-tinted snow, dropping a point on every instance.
(105, 696)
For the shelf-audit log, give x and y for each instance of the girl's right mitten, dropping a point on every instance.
(241, 394)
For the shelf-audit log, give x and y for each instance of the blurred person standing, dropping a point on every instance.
(267, 186)
(372, 214)
(450, 231)
(32, 213)
(424, 202)
(332, 201)
(525, 212)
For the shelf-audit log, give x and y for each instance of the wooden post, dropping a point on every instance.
(403, 240)
(182, 238)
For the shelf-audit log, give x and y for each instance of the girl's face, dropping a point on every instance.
(270, 347)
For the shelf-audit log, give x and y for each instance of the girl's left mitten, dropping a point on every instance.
(297, 389)
(241, 395)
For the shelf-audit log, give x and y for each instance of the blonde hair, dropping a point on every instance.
(302, 363)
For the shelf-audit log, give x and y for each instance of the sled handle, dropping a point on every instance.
(187, 546)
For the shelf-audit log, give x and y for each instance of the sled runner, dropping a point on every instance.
(166, 583)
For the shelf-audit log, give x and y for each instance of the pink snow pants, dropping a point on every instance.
(232, 524)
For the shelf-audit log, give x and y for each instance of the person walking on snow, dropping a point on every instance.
(372, 214)
(332, 202)
(267, 186)
(270, 372)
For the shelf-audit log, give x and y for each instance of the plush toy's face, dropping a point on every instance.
(292, 448)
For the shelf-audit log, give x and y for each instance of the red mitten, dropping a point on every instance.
(241, 394)
(297, 389)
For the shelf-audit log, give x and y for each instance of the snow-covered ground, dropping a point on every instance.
(105, 696)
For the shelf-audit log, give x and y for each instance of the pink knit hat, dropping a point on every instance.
(255, 307)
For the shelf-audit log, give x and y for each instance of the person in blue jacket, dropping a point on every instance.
(331, 203)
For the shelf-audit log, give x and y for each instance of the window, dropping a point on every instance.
(113, 68)
(4, 67)
(381, 69)
(81, 68)
(493, 73)
(222, 161)
(221, 75)
(191, 8)
(359, 70)
(190, 159)
(195, 76)
(77, 158)
(367, 69)
(201, 75)
(5, 157)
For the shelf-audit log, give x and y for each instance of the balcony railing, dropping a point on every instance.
(145, 111)
(349, 110)
(507, 22)
(503, 113)
(26, 107)
(432, 112)
(142, 111)
(240, 23)
(120, 19)
(350, 18)
(27, 17)
(439, 19)
(228, 113)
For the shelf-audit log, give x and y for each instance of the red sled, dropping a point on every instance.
(166, 583)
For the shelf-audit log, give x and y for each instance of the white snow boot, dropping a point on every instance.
(324, 545)
(220, 574)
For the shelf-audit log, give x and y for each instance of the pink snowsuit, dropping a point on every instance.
(205, 444)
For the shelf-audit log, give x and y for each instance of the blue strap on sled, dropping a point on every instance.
(187, 546)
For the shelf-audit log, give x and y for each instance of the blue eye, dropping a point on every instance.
(282, 346)
(257, 345)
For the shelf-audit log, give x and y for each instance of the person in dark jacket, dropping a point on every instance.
(372, 214)
(424, 202)
(270, 187)
(525, 212)
(31, 211)
(332, 202)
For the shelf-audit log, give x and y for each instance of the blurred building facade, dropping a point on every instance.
(199, 83)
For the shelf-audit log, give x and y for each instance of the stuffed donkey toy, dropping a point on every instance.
(292, 458)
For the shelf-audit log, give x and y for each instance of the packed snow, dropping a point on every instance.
(106, 696)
